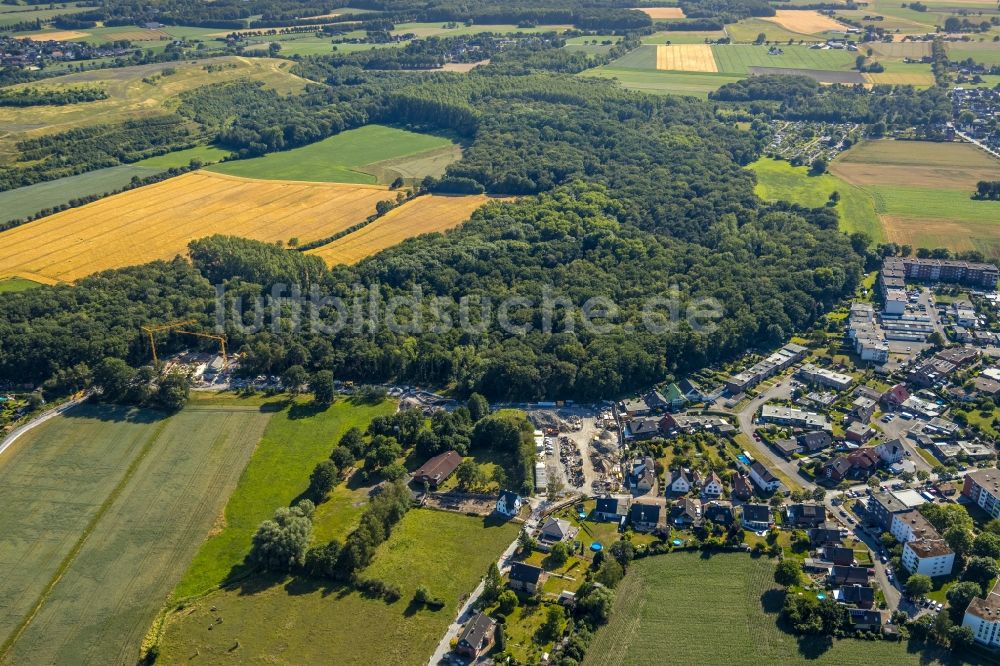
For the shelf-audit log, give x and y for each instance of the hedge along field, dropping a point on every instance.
(304, 621)
(704, 610)
(158, 221)
(104, 508)
(423, 215)
(779, 180)
(340, 158)
(297, 437)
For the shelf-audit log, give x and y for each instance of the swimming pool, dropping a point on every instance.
(743, 458)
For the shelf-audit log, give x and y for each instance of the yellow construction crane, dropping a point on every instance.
(177, 328)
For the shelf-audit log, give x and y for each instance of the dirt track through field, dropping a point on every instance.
(686, 58)
(158, 221)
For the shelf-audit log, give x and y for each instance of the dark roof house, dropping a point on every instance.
(437, 469)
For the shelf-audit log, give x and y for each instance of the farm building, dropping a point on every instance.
(435, 471)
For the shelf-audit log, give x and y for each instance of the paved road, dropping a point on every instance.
(465, 613)
(745, 416)
(16, 433)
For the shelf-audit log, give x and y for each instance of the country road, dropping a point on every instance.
(16, 433)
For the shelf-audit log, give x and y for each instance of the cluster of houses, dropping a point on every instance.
(29, 53)
(924, 550)
(984, 106)
(777, 362)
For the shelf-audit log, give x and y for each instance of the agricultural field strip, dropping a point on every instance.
(686, 58)
(432, 213)
(246, 196)
(151, 531)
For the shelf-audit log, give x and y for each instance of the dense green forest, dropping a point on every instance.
(624, 196)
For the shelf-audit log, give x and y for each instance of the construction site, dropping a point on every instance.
(581, 448)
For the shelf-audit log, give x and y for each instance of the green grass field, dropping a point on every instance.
(297, 437)
(303, 621)
(26, 201)
(696, 84)
(682, 37)
(14, 285)
(986, 53)
(339, 159)
(104, 508)
(181, 158)
(11, 14)
(779, 180)
(746, 31)
(738, 58)
(687, 609)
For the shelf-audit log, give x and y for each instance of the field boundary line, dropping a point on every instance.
(8, 644)
(244, 179)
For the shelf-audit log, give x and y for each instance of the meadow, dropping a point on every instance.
(129, 97)
(746, 31)
(158, 221)
(206, 154)
(986, 53)
(297, 621)
(341, 158)
(779, 180)
(104, 508)
(738, 58)
(922, 192)
(26, 201)
(297, 437)
(426, 214)
(14, 285)
(696, 609)
(13, 14)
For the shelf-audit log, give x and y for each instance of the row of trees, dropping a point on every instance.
(51, 97)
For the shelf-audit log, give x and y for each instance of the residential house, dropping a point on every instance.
(719, 513)
(788, 447)
(895, 396)
(741, 487)
(477, 637)
(643, 428)
(681, 481)
(805, 515)
(526, 577)
(862, 408)
(685, 513)
(839, 556)
(610, 509)
(931, 557)
(508, 504)
(691, 390)
(642, 478)
(436, 470)
(791, 416)
(763, 479)
(845, 575)
(712, 487)
(813, 374)
(644, 517)
(982, 487)
(859, 432)
(861, 619)
(891, 452)
(554, 530)
(836, 469)
(986, 386)
(864, 462)
(756, 517)
(825, 536)
(983, 618)
(816, 440)
(674, 399)
(634, 407)
(862, 596)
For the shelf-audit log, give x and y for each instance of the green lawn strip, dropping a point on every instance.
(697, 84)
(296, 438)
(738, 58)
(67, 560)
(337, 158)
(302, 621)
(14, 285)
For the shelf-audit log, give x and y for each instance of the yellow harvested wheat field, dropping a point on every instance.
(56, 36)
(423, 215)
(158, 221)
(805, 21)
(686, 58)
(900, 78)
(663, 12)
